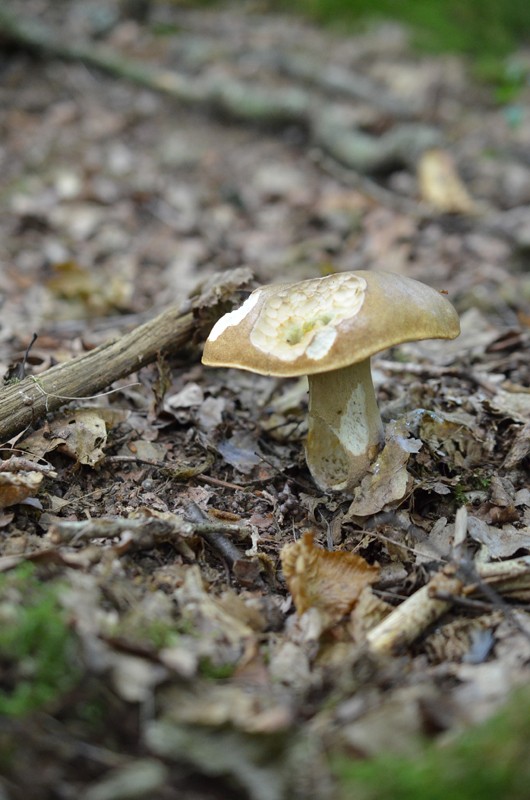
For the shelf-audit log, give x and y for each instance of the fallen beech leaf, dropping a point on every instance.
(440, 184)
(86, 292)
(329, 582)
(388, 479)
(240, 453)
(520, 448)
(81, 434)
(6, 519)
(16, 487)
(499, 542)
(515, 405)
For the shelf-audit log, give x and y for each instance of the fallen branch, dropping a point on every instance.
(414, 616)
(145, 529)
(24, 402)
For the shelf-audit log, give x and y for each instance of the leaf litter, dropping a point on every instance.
(223, 610)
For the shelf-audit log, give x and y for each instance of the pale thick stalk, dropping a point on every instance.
(345, 428)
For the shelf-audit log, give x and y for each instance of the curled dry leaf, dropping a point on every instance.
(81, 434)
(499, 542)
(440, 184)
(16, 487)
(329, 582)
(520, 448)
(388, 479)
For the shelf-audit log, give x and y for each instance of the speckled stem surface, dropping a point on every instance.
(345, 428)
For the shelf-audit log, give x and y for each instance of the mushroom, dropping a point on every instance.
(328, 328)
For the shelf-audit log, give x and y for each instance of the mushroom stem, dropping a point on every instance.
(345, 428)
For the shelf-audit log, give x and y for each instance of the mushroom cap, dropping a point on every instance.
(327, 323)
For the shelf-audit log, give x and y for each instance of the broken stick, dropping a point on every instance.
(24, 402)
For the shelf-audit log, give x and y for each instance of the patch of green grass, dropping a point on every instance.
(473, 27)
(490, 762)
(37, 661)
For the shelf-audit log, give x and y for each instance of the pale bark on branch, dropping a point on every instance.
(24, 402)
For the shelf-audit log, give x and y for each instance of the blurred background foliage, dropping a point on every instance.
(488, 33)
(474, 27)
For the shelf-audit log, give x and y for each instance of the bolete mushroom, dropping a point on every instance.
(328, 328)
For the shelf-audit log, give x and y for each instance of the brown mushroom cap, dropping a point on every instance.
(328, 323)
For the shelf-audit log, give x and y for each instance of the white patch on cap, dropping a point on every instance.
(321, 344)
(302, 319)
(233, 317)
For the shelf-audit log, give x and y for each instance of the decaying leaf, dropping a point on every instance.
(388, 479)
(135, 678)
(440, 184)
(89, 292)
(328, 581)
(241, 452)
(468, 639)
(520, 448)
(453, 438)
(244, 762)
(394, 726)
(514, 405)
(81, 434)
(141, 777)
(18, 486)
(217, 705)
(208, 614)
(499, 542)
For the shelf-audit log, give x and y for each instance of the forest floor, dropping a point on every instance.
(149, 642)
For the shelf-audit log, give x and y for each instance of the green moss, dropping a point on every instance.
(489, 762)
(37, 661)
(209, 669)
(460, 495)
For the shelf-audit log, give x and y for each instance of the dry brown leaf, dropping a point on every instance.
(217, 705)
(520, 448)
(440, 184)
(388, 479)
(212, 617)
(463, 639)
(499, 542)
(16, 487)
(329, 582)
(82, 292)
(81, 434)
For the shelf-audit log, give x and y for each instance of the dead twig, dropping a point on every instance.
(215, 536)
(25, 402)
(145, 530)
(454, 582)
(18, 464)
